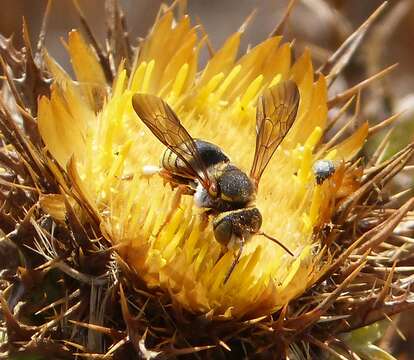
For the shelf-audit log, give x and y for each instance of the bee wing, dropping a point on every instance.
(158, 116)
(276, 111)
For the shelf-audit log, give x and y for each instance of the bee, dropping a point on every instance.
(323, 170)
(207, 172)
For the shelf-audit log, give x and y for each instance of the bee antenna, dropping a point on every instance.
(235, 262)
(277, 242)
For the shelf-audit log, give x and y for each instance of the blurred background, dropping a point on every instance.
(321, 25)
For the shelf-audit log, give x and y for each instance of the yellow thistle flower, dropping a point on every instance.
(109, 262)
(218, 104)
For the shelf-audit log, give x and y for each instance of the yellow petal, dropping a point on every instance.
(350, 147)
(86, 66)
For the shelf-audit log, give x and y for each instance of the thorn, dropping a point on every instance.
(326, 347)
(340, 113)
(210, 47)
(363, 84)
(326, 303)
(384, 123)
(280, 27)
(182, 8)
(101, 329)
(380, 151)
(398, 196)
(224, 345)
(343, 54)
(10, 82)
(248, 20)
(385, 287)
(386, 228)
(342, 130)
(75, 345)
(115, 347)
(64, 300)
(43, 28)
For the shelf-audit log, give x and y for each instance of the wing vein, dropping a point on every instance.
(276, 112)
(158, 116)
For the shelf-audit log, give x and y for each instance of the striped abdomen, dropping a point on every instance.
(210, 154)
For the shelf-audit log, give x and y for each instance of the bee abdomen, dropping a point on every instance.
(210, 154)
(170, 161)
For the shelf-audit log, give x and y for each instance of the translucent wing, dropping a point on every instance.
(158, 116)
(276, 111)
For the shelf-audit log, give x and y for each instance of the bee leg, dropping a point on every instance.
(223, 251)
(176, 181)
(235, 262)
(205, 218)
(181, 190)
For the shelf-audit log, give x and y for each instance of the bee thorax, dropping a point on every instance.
(235, 186)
